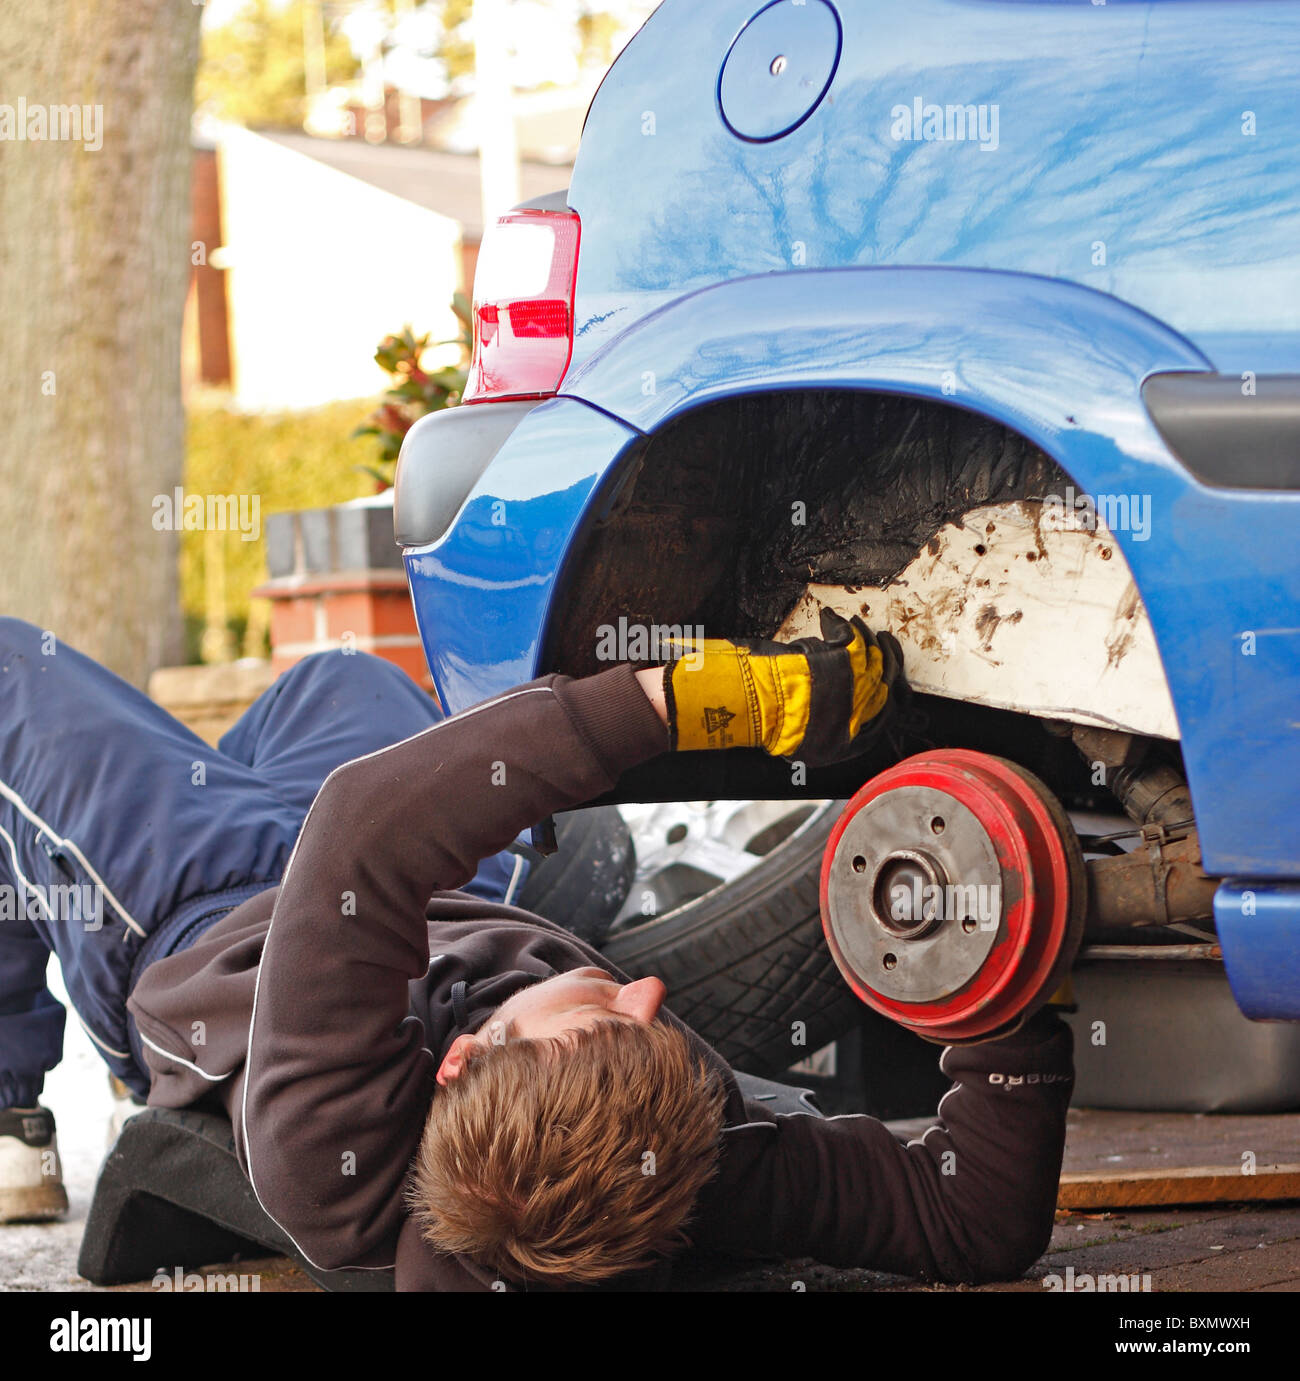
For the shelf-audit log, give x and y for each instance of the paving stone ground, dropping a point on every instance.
(1230, 1248)
(1227, 1249)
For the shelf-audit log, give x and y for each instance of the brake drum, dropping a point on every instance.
(953, 894)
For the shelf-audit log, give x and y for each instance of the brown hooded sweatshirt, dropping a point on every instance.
(317, 1014)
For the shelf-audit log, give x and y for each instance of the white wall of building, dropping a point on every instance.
(320, 267)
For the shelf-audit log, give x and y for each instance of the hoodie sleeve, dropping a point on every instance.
(338, 1079)
(974, 1199)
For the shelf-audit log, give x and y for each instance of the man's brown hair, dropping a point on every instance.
(573, 1159)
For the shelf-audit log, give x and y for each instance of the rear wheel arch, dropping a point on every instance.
(835, 484)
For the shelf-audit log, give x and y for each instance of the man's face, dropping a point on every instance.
(570, 1001)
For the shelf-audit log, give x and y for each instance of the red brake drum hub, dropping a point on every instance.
(953, 894)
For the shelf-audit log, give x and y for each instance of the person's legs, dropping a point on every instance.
(31, 1019)
(324, 711)
(330, 708)
(31, 1042)
(114, 818)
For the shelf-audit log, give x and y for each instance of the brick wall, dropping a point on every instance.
(336, 581)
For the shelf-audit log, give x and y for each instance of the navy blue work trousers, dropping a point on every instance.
(123, 835)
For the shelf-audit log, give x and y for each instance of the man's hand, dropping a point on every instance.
(816, 699)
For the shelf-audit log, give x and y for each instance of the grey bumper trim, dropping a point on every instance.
(443, 456)
(1227, 438)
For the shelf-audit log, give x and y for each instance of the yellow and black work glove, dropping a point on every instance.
(815, 699)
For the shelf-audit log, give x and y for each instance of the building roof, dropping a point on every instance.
(444, 182)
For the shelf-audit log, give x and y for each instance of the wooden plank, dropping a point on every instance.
(1206, 1184)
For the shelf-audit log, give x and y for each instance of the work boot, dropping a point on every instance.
(31, 1178)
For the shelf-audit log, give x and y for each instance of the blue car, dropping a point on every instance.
(980, 320)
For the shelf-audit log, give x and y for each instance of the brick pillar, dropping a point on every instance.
(337, 581)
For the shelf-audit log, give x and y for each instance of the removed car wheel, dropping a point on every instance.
(582, 885)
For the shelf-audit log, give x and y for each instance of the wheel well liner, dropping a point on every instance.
(729, 510)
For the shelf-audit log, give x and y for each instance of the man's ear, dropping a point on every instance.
(641, 1000)
(454, 1060)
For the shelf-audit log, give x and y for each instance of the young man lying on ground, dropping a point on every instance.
(428, 1079)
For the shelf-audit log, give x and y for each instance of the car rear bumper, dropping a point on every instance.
(498, 518)
(443, 456)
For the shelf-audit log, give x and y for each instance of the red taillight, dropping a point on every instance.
(523, 306)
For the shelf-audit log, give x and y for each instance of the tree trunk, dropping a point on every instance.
(94, 268)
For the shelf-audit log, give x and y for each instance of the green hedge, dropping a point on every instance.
(291, 460)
